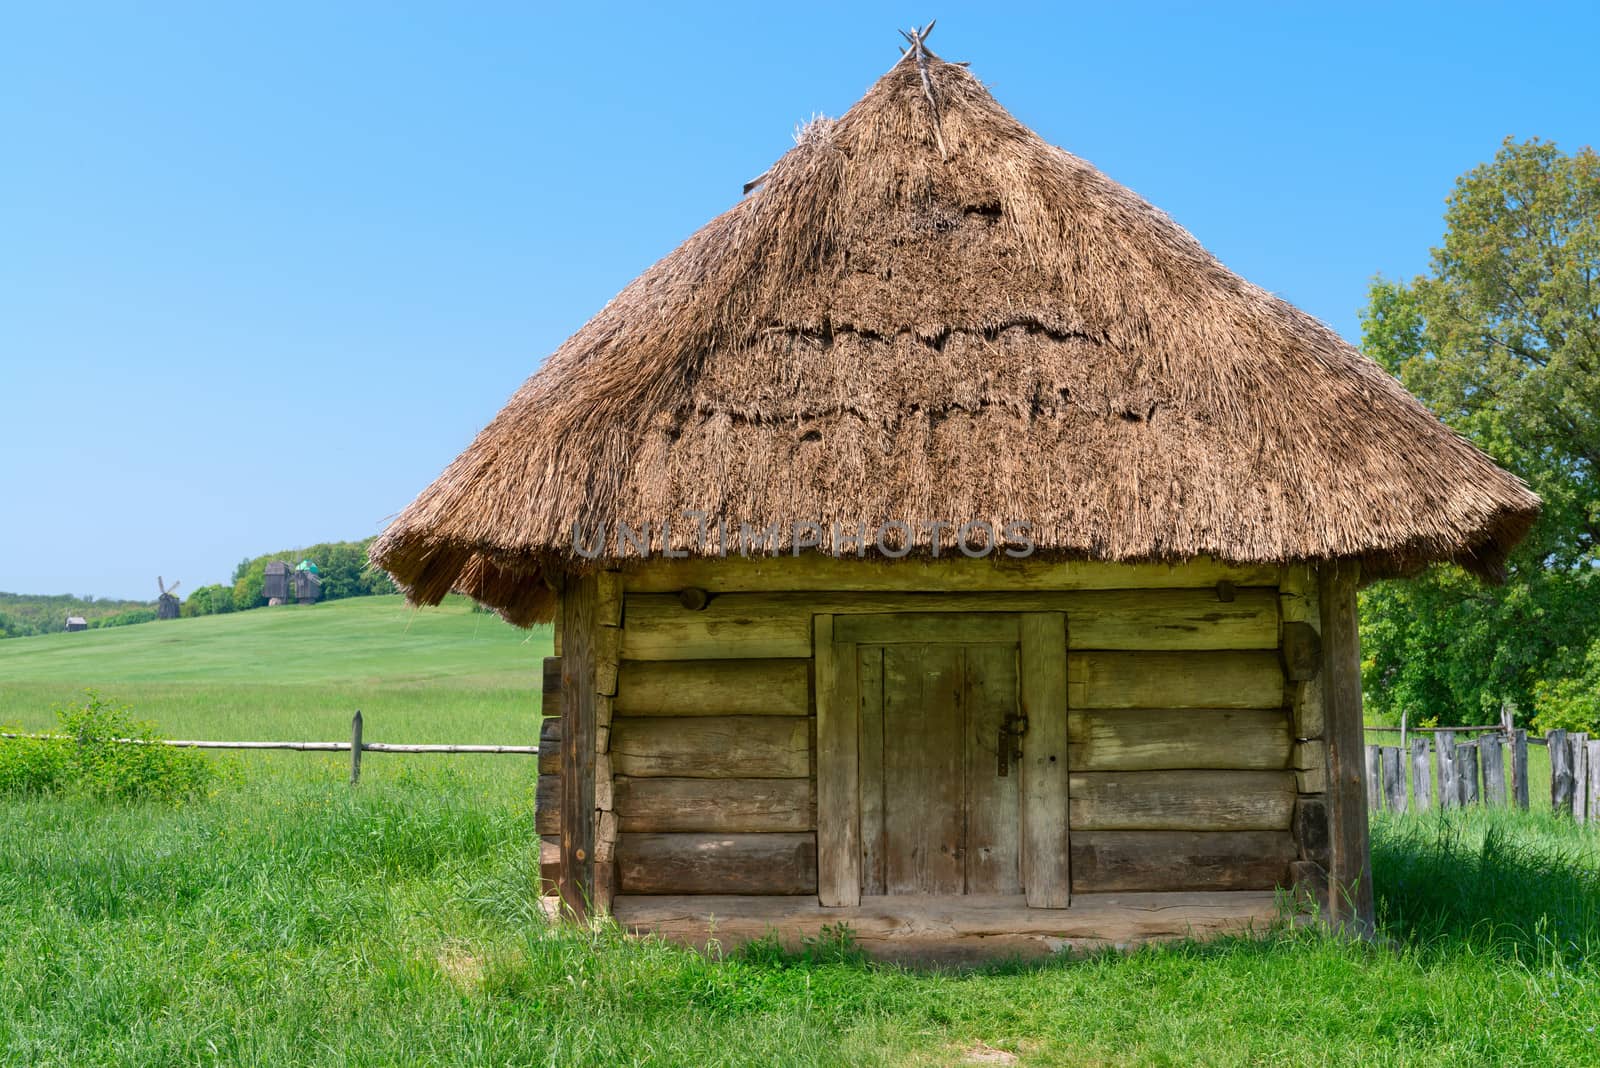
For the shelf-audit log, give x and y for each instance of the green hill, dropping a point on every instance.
(445, 674)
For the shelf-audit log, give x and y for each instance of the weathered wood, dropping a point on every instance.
(1145, 739)
(1174, 680)
(1372, 757)
(714, 688)
(1045, 781)
(1309, 754)
(838, 838)
(1449, 770)
(547, 805)
(1561, 782)
(693, 598)
(870, 742)
(922, 628)
(923, 770)
(550, 746)
(355, 748)
(712, 747)
(1350, 871)
(1578, 744)
(717, 863)
(1421, 781)
(577, 612)
(1309, 886)
(1594, 780)
(1302, 651)
(956, 929)
(607, 651)
(1394, 778)
(550, 695)
(1492, 753)
(608, 599)
(1519, 768)
(603, 783)
(605, 861)
(1467, 758)
(949, 574)
(1180, 860)
(1297, 603)
(748, 625)
(991, 846)
(1182, 800)
(723, 806)
(1311, 828)
(549, 864)
(1311, 780)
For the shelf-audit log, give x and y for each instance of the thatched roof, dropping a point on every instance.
(924, 312)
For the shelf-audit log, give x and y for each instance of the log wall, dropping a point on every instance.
(1186, 734)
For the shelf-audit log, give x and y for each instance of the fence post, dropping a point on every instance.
(1594, 780)
(1560, 770)
(1579, 744)
(1467, 752)
(1374, 780)
(1394, 777)
(1449, 773)
(1519, 768)
(355, 748)
(1492, 750)
(1421, 781)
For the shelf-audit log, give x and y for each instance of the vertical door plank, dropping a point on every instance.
(923, 765)
(870, 687)
(989, 696)
(838, 778)
(1046, 877)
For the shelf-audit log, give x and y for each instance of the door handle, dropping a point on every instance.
(1009, 748)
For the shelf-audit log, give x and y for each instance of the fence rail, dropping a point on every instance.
(355, 746)
(1451, 771)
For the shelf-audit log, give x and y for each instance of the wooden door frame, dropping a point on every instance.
(1041, 639)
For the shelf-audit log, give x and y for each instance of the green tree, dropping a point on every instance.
(1501, 338)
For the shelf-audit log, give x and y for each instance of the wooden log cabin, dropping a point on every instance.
(942, 543)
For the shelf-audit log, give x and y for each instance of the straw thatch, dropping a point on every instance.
(924, 312)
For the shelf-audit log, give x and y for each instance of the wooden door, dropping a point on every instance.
(937, 817)
(910, 795)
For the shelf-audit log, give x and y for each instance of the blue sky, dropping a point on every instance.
(265, 269)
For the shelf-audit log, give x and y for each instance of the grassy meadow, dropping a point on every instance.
(284, 918)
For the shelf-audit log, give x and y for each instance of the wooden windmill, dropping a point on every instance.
(167, 603)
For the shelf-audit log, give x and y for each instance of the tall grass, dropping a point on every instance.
(288, 922)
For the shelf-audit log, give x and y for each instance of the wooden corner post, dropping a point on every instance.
(838, 768)
(1350, 856)
(578, 625)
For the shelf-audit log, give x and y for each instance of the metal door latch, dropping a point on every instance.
(1012, 728)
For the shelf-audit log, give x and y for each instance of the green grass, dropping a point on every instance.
(287, 919)
(298, 673)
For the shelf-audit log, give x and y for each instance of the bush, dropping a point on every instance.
(87, 757)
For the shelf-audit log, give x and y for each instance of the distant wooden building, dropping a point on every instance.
(275, 582)
(924, 332)
(75, 623)
(307, 583)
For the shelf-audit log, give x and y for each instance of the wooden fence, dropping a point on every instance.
(355, 746)
(1443, 768)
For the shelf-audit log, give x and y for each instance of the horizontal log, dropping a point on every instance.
(947, 574)
(1182, 800)
(712, 747)
(549, 864)
(746, 625)
(721, 805)
(717, 863)
(550, 694)
(547, 805)
(1143, 739)
(1180, 860)
(1227, 679)
(714, 688)
(953, 929)
(550, 746)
